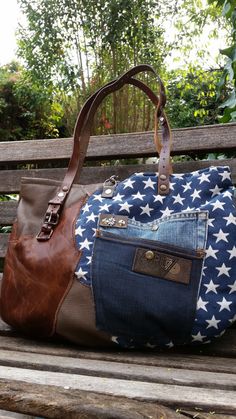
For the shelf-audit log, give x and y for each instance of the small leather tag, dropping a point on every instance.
(112, 220)
(162, 265)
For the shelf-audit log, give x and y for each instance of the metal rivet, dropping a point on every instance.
(149, 255)
(65, 188)
(163, 187)
(163, 177)
(60, 194)
(108, 191)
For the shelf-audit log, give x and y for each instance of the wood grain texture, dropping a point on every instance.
(10, 179)
(58, 402)
(206, 138)
(169, 395)
(120, 370)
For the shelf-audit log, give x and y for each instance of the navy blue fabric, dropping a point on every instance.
(142, 307)
(209, 190)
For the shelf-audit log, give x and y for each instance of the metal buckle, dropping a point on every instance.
(42, 236)
(49, 218)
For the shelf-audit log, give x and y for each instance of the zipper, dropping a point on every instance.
(163, 247)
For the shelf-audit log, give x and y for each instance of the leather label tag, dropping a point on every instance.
(162, 265)
(112, 220)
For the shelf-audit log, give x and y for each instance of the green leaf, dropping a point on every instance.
(230, 102)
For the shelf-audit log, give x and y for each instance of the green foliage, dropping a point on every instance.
(192, 97)
(26, 110)
(228, 77)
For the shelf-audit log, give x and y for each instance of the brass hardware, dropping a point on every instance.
(163, 187)
(163, 177)
(149, 255)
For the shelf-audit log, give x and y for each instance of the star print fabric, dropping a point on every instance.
(209, 191)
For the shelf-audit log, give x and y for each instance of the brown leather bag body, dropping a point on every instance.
(40, 295)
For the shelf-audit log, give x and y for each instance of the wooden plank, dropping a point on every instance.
(3, 244)
(7, 212)
(55, 402)
(207, 138)
(10, 179)
(121, 370)
(170, 395)
(202, 358)
(9, 415)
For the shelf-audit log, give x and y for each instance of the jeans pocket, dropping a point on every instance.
(144, 288)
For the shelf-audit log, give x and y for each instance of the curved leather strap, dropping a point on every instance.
(82, 135)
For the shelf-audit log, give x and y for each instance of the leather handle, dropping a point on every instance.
(82, 136)
(82, 133)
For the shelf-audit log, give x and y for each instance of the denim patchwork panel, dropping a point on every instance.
(148, 299)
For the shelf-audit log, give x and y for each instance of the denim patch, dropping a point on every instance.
(142, 306)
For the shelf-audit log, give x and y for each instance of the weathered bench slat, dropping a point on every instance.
(171, 395)
(207, 138)
(57, 402)
(121, 370)
(10, 179)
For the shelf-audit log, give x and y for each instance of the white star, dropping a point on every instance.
(149, 183)
(217, 204)
(125, 207)
(79, 231)
(166, 212)
(211, 287)
(201, 304)
(213, 322)
(187, 186)
(215, 191)
(104, 207)
(95, 232)
(178, 199)
(118, 197)
(89, 259)
(85, 244)
(188, 209)
(210, 252)
(224, 304)
(233, 319)
(227, 194)
(195, 194)
(159, 198)
(138, 195)
(230, 219)
(86, 208)
(233, 287)
(232, 252)
(91, 217)
(169, 345)
(179, 175)
(80, 273)
(225, 175)
(198, 337)
(221, 236)
(223, 270)
(98, 198)
(129, 184)
(146, 210)
(172, 184)
(212, 168)
(204, 178)
(210, 222)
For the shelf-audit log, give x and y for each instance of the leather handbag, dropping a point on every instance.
(144, 262)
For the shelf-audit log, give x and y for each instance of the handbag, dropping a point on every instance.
(144, 262)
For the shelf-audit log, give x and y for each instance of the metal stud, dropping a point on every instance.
(108, 191)
(163, 177)
(149, 255)
(163, 187)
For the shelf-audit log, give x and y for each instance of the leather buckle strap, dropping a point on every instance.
(51, 219)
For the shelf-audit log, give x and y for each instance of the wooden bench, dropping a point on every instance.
(59, 380)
